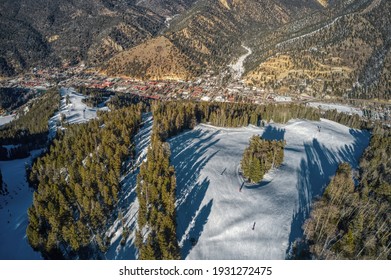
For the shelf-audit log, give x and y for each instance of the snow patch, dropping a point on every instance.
(6, 119)
(339, 107)
(75, 111)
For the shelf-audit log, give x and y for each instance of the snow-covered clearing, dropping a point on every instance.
(128, 202)
(260, 221)
(238, 67)
(339, 107)
(6, 119)
(13, 210)
(75, 111)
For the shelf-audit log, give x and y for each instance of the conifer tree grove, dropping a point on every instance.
(156, 190)
(156, 187)
(354, 222)
(77, 185)
(260, 157)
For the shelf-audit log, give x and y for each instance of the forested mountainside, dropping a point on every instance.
(77, 183)
(321, 48)
(13, 98)
(343, 51)
(210, 33)
(78, 179)
(52, 32)
(30, 130)
(353, 222)
(167, 8)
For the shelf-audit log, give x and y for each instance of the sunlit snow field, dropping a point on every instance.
(216, 219)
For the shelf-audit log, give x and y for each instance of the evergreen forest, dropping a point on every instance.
(30, 130)
(77, 184)
(260, 156)
(353, 221)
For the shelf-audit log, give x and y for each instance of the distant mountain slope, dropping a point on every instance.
(210, 33)
(167, 8)
(156, 59)
(316, 47)
(53, 32)
(345, 52)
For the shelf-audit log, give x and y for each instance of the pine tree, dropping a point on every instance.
(260, 156)
(256, 175)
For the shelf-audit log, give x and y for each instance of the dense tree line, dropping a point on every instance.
(94, 96)
(77, 184)
(12, 98)
(174, 117)
(354, 222)
(260, 156)
(353, 121)
(120, 100)
(156, 186)
(16, 152)
(30, 130)
(156, 192)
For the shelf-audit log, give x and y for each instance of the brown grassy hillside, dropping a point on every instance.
(156, 59)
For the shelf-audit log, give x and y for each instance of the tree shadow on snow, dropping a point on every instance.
(316, 171)
(127, 197)
(197, 227)
(189, 157)
(273, 133)
(263, 183)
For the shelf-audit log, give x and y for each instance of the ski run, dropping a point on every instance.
(219, 216)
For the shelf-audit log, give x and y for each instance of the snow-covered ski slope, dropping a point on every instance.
(128, 203)
(216, 220)
(13, 211)
(75, 111)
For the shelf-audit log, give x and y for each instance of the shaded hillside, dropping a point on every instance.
(343, 52)
(211, 32)
(44, 32)
(166, 8)
(20, 46)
